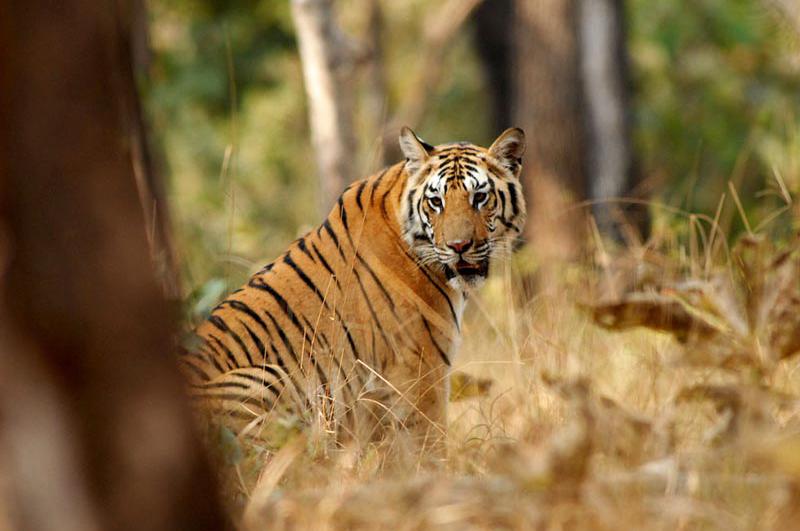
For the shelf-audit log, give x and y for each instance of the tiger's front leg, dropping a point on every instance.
(420, 406)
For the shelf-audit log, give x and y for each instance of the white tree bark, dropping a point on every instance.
(609, 151)
(328, 74)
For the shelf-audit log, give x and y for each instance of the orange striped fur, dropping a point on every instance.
(366, 309)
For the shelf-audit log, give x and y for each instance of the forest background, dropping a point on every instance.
(713, 93)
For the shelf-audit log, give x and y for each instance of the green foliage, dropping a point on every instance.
(716, 87)
(227, 103)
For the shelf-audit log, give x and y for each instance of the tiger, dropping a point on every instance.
(366, 309)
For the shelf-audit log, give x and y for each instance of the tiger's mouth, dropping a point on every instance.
(469, 271)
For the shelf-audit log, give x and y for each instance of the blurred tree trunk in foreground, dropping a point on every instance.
(328, 64)
(147, 160)
(561, 75)
(94, 428)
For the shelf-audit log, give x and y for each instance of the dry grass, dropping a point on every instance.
(694, 424)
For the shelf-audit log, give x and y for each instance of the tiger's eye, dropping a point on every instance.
(479, 198)
(435, 202)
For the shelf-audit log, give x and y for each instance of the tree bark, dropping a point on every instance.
(611, 162)
(495, 46)
(376, 94)
(146, 158)
(328, 72)
(92, 413)
(571, 95)
(549, 107)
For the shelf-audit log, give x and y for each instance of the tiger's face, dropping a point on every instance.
(463, 204)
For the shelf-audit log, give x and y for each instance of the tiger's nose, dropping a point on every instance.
(459, 246)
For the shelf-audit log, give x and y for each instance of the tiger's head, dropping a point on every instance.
(462, 204)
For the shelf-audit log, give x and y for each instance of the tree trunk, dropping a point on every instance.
(376, 104)
(549, 107)
(328, 74)
(92, 413)
(147, 159)
(571, 95)
(604, 71)
(495, 46)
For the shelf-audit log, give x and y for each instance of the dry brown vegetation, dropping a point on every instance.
(653, 390)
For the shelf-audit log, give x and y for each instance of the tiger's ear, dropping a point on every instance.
(509, 148)
(415, 150)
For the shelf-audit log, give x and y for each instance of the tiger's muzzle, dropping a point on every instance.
(468, 261)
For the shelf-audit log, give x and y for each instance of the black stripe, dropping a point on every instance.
(288, 345)
(220, 323)
(274, 372)
(221, 385)
(282, 364)
(363, 291)
(386, 194)
(313, 287)
(508, 224)
(288, 260)
(240, 306)
(301, 244)
(256, 340)
(327, 345)
(512, 194)
(308, 282)
(375, 185)
(226, 350)
(343, 214)
(359, 192)
(260, 284)
(364, 263)
(326, 265)
(440, 290)
(377, 282)
(261, 381)
(327, 226)
(211, 355)
(197, 370)
(287, 309)
(266, 269)
(410, 201)
(323, 340)
(200, 355)
(372, 311)
(435, 344)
